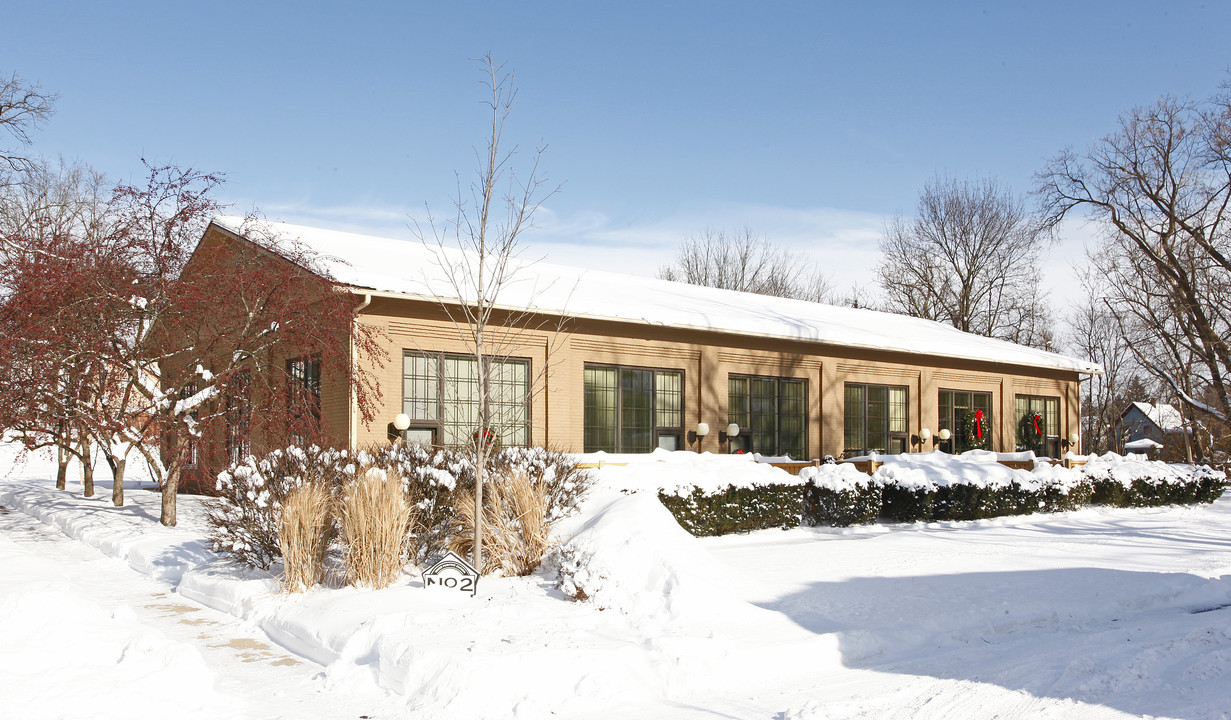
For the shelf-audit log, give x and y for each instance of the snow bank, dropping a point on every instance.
(1125, 470)
(838, 477)
(682, 472)
(632, 556)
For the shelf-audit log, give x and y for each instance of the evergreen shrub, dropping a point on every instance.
(736, 509)
(856, 504)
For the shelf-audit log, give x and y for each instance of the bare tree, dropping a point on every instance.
(1094, 333)
(746, 262)
(479, 250)
(1160, 185)
(23, 107)
(970, 258)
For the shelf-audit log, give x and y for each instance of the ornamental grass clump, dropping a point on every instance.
(516, 525)
(430, 476)
(375, 517)
(304, 536)
(246, 516)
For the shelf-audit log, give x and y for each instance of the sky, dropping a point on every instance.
(811, 123)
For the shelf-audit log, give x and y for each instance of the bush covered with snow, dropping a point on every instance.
(976, 485)
(435, 478)
(1128, 482)
(430, 479)
(246, 517)
(736, 509)
(839, 495)
(709, 494)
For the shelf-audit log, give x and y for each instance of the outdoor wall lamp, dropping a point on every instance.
(726, 435)
(923, 436)
(400, 423)
(1070, 441)
(942, 436)
(699, 434)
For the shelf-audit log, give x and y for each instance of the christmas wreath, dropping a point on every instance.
(490, 438)
(1030, 430)
(975, 433)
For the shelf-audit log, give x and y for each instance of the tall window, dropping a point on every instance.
(192, 456)
(772, 414)
(440, 393)
(874, 419)
(968, 418)
(1038, 424)
(303, 398)
(632, 410)
(239, 417)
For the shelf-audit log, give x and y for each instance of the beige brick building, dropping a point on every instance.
(587, 361)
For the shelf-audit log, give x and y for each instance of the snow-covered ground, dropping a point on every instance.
(1091, 614)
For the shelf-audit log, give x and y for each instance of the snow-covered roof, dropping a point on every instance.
(411, 268)
(1165, 416)
(1142, 445)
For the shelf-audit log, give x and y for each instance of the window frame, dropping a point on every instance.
(445, 404)
(192, 457)
(896, 441)
(1049, 444)
(747, 440)
(303, 393)
(952, 445)
(658, 431)
(238, 414)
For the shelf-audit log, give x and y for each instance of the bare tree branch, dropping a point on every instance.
(23, 107)
(971, 258)
(478, 251)
(743, 261)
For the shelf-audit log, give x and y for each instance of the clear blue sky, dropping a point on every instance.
(808, 122)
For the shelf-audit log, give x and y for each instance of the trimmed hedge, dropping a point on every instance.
(972, 502)
(845, 498)
(859, 505)
(736, 509)
(902, 504)
(1145, 493)
(845, 504)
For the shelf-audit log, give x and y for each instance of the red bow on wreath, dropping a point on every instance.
(1037, 430)
(979, 424)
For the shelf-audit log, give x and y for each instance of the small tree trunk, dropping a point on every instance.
(169, 487)
(87, 476)
(87, 466)
(117, 472)
(117, 478)
(477, 555)
(61, 469)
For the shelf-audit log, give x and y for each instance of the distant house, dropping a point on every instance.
(1161, 424)
(645, 363)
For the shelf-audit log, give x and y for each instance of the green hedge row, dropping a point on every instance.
(970, 502)
(736, 509)
(1143, 493)
(741, 509)
(859, 505)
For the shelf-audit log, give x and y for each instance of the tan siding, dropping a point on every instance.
(706, 359)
